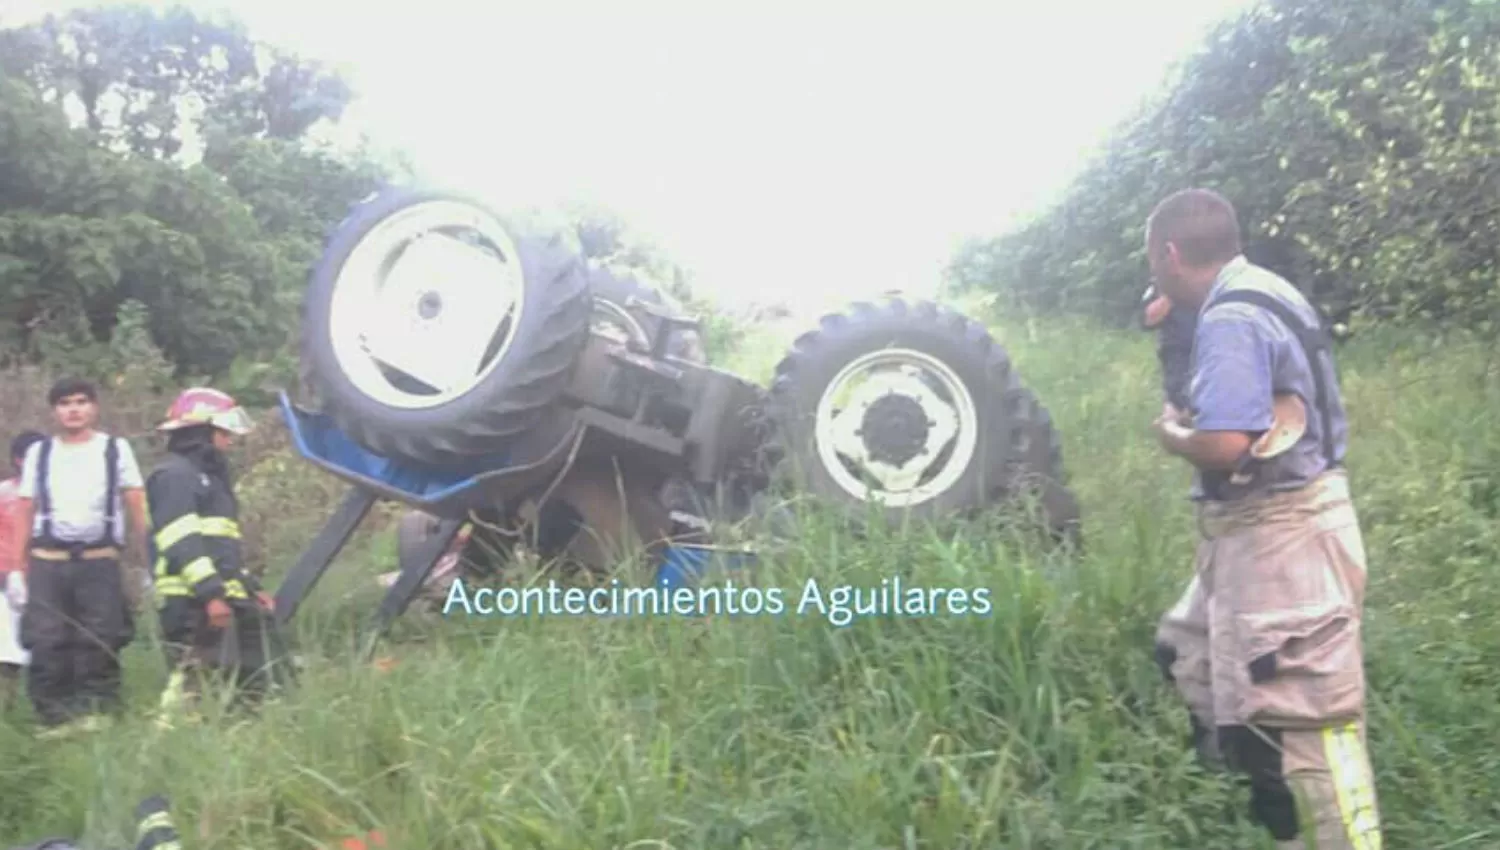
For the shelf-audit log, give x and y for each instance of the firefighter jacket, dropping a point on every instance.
(196, 533)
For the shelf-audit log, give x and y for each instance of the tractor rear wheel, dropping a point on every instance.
(432, 335)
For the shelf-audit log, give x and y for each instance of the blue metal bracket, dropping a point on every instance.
(449, 495)
(322, 442)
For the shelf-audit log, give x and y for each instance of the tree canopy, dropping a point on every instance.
(162, 163)
(1356, 139)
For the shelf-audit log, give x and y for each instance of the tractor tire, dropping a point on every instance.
(1038, 471)
(995, 423)
(520, 379)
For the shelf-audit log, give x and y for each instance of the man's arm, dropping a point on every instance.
(1231, 393)
(19, 515)
(133, 495)
(25, 508)
(136, 580)
(135, 509)
(1208, 450)
(25, 517)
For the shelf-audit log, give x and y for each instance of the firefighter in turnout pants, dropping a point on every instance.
(1265, 644)
(215, 619)
(76, 488)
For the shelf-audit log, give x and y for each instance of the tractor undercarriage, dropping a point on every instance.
(588, 425)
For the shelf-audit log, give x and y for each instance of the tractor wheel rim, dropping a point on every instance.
(912, 427)
(426, 305)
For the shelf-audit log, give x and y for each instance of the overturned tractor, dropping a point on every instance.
(502, 386)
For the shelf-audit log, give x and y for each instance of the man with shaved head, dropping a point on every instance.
(1265, 643)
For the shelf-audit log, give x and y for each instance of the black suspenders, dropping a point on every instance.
(1314, 341)
(44, 494)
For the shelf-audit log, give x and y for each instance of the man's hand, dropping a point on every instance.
(1169, 427)
(1209, 450)
(267, 601)
(219, 615)
(15, 589)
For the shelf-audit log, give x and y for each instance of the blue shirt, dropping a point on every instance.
(1242, 355)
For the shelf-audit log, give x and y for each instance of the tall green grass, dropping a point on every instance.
(1042, 725)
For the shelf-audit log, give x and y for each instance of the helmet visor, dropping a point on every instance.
(234, 420)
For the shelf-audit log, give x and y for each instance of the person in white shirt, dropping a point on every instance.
(76, 490)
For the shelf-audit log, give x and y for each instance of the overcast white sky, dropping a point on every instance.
(781, 150)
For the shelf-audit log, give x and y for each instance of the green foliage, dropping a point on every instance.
(146, 80)
(177, 240)
(216, 249)
(1043, 725)
(129, 362)
(1356, 139)
(185, 180)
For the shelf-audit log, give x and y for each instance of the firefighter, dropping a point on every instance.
(215, 619)
(1265, 644)
(78, 614)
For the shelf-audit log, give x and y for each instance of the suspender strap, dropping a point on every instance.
(111, 484)
(111, 489)
(43, 487)
(1314, 340)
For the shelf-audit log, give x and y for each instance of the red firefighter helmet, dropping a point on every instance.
(207, 406)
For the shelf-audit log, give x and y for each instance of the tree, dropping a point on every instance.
(105, 210)
(1352, 135)
(150, 83)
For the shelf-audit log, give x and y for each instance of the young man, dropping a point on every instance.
(1265, 644)
(214, 616)
(13, 657)
(75, 489)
